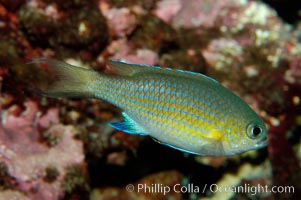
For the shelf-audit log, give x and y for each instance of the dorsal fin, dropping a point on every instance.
(129, 69)
(123, 68)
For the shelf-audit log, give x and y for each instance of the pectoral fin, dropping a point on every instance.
(212, 148)
(128, 125)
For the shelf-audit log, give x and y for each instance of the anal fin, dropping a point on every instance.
(209, 147)
(174, 147)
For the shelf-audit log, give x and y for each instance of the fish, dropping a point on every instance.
(185, 110)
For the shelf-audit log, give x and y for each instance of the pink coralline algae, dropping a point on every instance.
(27, 157)
(121, 21)
(122, 51)
(167, 9)
(192, 13)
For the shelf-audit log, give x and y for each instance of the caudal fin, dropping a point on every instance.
(63, 80)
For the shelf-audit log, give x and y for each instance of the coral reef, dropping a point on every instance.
(65, 30)
(64, 149)
(247, 175)
(36, 167)
(167, 179)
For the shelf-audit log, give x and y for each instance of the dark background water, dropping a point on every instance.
(289, 11)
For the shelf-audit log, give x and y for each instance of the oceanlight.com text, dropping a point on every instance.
(213, 188)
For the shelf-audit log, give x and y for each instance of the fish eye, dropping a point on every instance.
(254, 131)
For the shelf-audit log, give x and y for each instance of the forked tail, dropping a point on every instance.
(64, 80)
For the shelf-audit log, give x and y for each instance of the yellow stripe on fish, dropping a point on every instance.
(184, 110)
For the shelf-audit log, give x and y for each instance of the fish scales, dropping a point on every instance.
(187, 111)
(180, 110)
